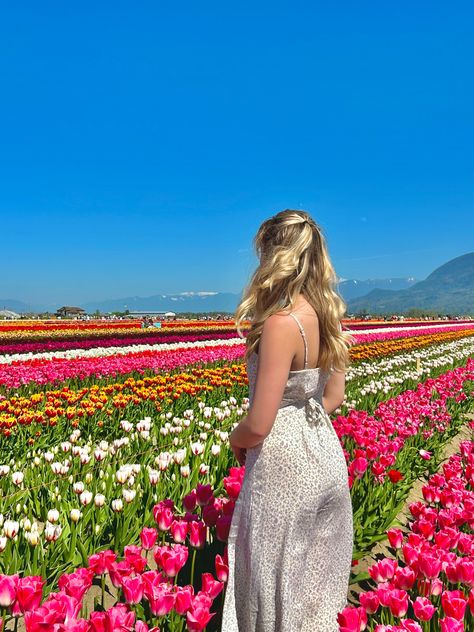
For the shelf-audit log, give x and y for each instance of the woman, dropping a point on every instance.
(291, 537)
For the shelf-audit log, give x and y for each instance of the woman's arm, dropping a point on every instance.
(275, 355)
(333, 395)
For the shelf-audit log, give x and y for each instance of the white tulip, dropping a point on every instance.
(85, 498)
(117, 505)
(99, 500)
(53, 515)
(10, 528)
(76, 515)
(128, 495)
(78, 487)
(185, 471)
(17, 478)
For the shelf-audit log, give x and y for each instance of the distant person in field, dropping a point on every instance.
(291, 537)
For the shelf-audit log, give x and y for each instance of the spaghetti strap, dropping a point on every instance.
(304, 338)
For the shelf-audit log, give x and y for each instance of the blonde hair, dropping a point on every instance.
(294, 260)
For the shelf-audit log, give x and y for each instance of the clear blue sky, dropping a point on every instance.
(142, 143)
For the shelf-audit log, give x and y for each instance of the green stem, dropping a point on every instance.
(192, 567)
(73, 541)
(102, 582)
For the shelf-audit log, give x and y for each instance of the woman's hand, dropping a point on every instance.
(240, 454)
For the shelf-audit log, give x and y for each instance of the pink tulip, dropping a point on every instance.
(450, 624)
(8, 587)
(454, 603)
(222, 570)
(74, 625)
(171, 558)
(383, 570)
(76, 584)
(398, 602)
(120, 618)
(197, 534)
(161, 598)
(179, 530)
(198, 616)
(352, 619)
(183, 598)
(119, 570)
(369, 601)
(211, 586)
(68, 607)
(133, 589)
(163, 514)
(43, 619)
(29, 593)
(423, 608)
(148, 538)
(232, 486)
(101, 562)
(133, 555)
(98, 621)
(395, 537)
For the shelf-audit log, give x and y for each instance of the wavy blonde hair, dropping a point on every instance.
(294, 260)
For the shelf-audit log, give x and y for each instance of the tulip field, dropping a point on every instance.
(117, 482)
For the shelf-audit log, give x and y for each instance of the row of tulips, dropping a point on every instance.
(160, 358)
(387, 451)
(49, 325)
(369, 383)
(53, 348)
(57, 370)
(95, 407)
(161, 343)
(427, 585)
(79, 333)
(362, 337)
(363, 324)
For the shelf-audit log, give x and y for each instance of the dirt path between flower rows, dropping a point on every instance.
(381, 550)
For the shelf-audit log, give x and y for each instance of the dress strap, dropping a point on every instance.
(304, 338)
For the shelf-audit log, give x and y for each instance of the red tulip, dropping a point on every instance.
(204, 494)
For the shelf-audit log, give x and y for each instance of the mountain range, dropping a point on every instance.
(449, 289)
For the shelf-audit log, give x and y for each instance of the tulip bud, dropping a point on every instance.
(75, 515)
(85, 498)
(53, 515)
(117, 505)
(99, 500)
(10, 528)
